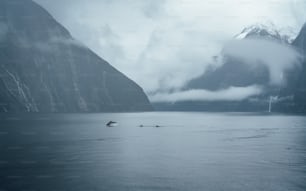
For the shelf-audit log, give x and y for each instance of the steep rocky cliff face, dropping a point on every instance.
(43, 69)
(300, 83)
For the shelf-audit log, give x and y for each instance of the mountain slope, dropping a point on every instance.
(43, 69)
(300, 87)
(237, 72)
(234, 71)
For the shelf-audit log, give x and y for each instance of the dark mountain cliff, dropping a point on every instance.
(43, 69)
(300, 83)
(234, 72)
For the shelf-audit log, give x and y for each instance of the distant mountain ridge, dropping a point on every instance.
(267, 31)
(290, 97)
(234, 71)
(43, 69)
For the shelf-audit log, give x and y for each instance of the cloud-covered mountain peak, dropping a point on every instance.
(267, 31)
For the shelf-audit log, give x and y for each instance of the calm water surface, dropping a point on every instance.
(189, 151)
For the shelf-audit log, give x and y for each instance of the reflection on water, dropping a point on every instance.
(188, 151)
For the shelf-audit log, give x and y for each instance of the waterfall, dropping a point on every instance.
(270, 104)
(272, 99)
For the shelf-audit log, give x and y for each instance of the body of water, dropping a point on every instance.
(153, 151)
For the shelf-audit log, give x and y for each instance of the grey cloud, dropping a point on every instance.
(170, 63)
(276, 56)
(66, 41)
(110, 44)
(298, 8)
(154, 8)
(54, 42)
(162, 44)
(230, 94)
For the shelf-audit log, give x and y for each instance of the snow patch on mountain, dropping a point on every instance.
(269, 31)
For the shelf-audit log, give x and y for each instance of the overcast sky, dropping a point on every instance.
(161, 44)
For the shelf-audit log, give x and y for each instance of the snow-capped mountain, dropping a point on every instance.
(237, 72)
(268, 31)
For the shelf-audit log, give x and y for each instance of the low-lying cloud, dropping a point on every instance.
(278, 57)
(230, 94)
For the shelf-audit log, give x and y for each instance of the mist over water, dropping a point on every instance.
(188, 151)
(230, 94)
